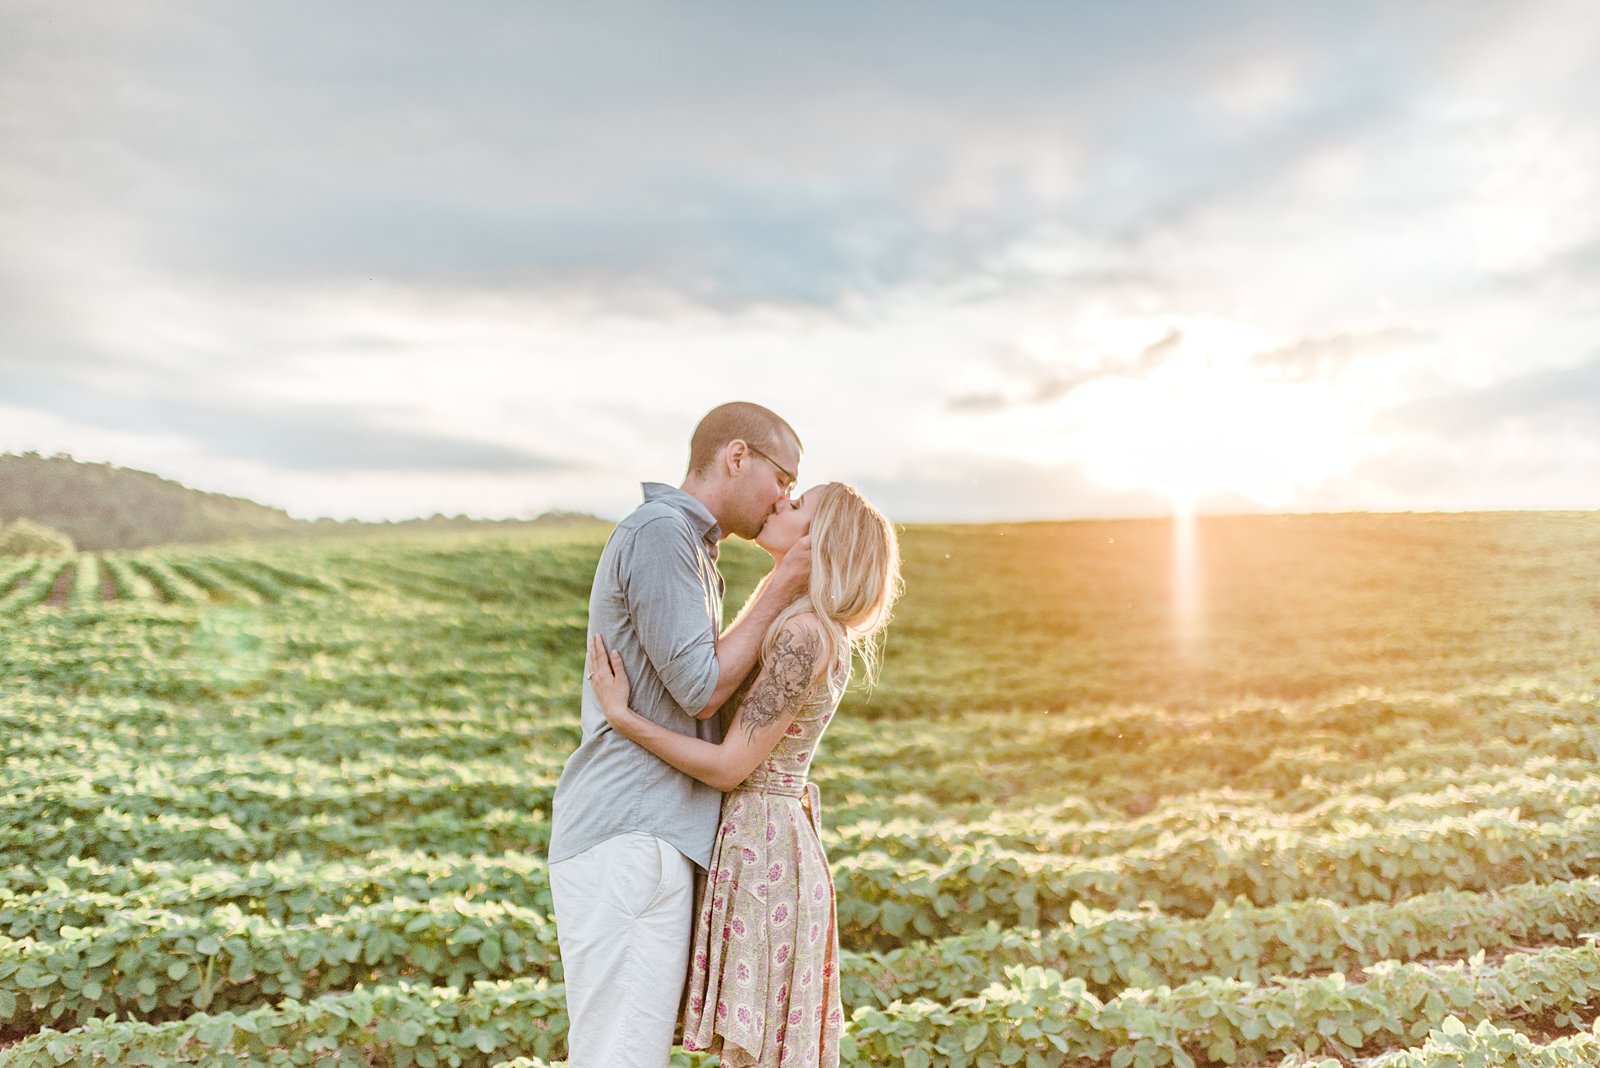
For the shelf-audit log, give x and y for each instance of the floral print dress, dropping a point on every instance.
(764, 969)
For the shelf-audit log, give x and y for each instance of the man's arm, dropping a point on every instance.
(730, 707)
(666, 602)
(664, 592)
(740, 645)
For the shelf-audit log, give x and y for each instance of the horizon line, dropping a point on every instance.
(1198, 513)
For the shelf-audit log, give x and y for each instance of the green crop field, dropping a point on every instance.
(287, 803)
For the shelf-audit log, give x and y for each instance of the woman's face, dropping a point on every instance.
(789, 523)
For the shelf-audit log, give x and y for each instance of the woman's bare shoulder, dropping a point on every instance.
(800, 639)
(803, 629)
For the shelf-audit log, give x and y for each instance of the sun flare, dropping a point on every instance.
(1208, 423)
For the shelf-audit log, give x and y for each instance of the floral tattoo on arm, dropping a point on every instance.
(786, 678)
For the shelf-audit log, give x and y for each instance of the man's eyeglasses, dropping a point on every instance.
(789, 480)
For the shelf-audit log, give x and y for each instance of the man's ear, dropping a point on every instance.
(734, 456)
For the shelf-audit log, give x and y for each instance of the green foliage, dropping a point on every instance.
(401, 1024)
(884, 901)
(102, 506)
(23, 537)
(287, 803)
(161, 965)
(1038, 1012)
(1452, 1043)
(1113, 951)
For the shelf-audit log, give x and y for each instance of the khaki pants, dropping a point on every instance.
(624, 914)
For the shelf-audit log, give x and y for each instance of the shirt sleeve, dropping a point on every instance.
(666, 599)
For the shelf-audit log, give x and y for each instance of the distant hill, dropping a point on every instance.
(104, 506)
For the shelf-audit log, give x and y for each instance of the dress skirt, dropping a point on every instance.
(764, 965)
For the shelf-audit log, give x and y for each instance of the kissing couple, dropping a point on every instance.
(686, 868)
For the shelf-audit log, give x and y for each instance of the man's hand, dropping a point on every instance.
(792, 577)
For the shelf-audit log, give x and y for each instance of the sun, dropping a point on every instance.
(1208, 424)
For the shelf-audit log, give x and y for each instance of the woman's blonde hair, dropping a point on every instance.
(855, 581)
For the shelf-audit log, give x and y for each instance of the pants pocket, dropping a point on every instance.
(638, 875)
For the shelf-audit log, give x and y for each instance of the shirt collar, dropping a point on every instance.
(698, 514)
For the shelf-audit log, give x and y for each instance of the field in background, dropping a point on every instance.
(288, 802)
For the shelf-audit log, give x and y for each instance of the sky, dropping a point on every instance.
(993, 262)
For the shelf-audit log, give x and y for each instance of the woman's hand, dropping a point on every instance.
(610, 682)
(792, 576)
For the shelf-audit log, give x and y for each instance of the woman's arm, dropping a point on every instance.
(774, 700)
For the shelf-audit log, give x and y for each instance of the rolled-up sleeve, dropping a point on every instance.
(666, 599)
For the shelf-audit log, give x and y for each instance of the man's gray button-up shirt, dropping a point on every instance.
(657, 600)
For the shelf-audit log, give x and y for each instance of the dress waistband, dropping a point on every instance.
(793, 789)
(809, 796)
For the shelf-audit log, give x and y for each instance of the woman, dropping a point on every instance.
(764, 977)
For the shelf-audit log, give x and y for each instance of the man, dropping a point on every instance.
(628, 830)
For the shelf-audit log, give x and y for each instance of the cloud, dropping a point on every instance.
(728, 157)
(1506, 465)
(1040, 381)
(977, 489)
(328, 437)
(1575, 269)
(550, 197)
(1326, 355)
(1531, 440)
(978, 403)
(987, 489)
(1583, 261)
(1547, 400)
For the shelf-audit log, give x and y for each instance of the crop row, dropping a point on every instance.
(289, 889)
(231, 812)
(14, 570)
(1012, 756)
(32, 585)
(211, 579)
(1111, 950)
(1296, 781)
(1036, 1016)
(116, 836)
(1453, 1044)
(271, 584)
(1301, 774)
(130, 584)
(160, 579)
(95, 580)
(87, 583)
(170, 585)
(884, 899)
(247, 779)
(1033, 832)
(399, 1024)
(257, 801)
(131, 731)
(343, 731)
(883, 902)
(153, 964)
(848, 805)
(1241, 735)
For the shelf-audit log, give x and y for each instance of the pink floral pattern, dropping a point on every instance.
(769, 882)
